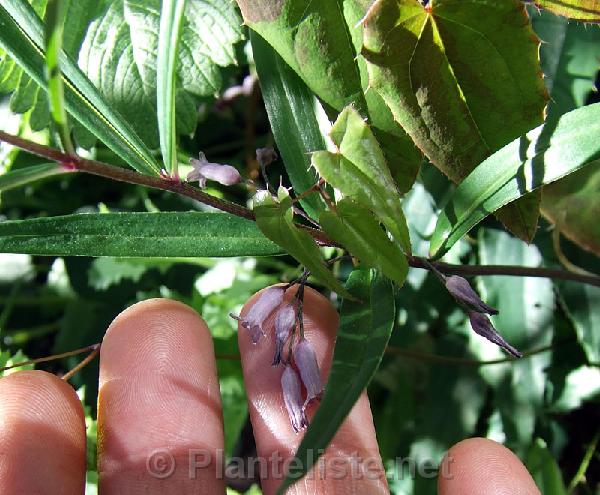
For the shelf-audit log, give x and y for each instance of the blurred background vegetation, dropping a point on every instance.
(438, 383)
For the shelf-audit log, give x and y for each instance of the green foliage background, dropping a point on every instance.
(433, 387)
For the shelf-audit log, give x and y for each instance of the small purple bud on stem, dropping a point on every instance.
(306, 362)
(292, 398)
(284, 322)
(266, 303)
(203, 170)
(462, 291)
(265, 156)
(482, 325)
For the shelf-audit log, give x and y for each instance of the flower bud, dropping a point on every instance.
(265, 156)
(292, 398)
(306, 362)
(482, 325)
(462, 291)
(284, 322)
(266, 303)
(203, 170)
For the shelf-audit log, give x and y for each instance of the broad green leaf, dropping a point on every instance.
(22, 176)
(54, 28)
(570, 60)
(365, 328)
(355, 228)
(321, 42)
(171, 17)
(276, 221)
(579, 10)
(21, 35)
(291, 109)
(358, 169)
(462, 77)
(187, 234)
(544, 469)
(526, 321)
(540, 157)
(122, 44)
(582, 303)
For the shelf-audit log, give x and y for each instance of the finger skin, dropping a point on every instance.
(160, 426)
(42, 436)
(480, 466)
(276, 441)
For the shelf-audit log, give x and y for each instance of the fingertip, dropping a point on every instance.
(480, 465)
(42, 435)
(159, 402)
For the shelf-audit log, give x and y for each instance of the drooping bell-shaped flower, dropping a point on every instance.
(482, 325)
(266, 303)
(284, 322)
(306, 362)
(292, 398)
(203, 170)
(462, 291)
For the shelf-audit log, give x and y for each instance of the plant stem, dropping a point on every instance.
(580, 474)
(77, 164)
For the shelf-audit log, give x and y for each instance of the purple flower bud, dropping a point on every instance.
(265, 156)
(266, 303)
(462, 291)
(292, 398)
(284, 322)
(203, 170)
(482, 325)
(306, 362)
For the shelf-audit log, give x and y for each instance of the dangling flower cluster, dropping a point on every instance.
(476, 309)
(300, 365)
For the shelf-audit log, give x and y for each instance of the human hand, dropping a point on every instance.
(160, 426)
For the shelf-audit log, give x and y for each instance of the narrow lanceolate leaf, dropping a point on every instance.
(462, 77)
(171, 17)
(365, 329)
(22, 176)
(570, 60)
(356, 229)
(275, 220)
(291, 109)
(359, 170)
(542, 156)
(321, 42)
(55, 12)
(579, 10)
(22, 36)
(187, 234)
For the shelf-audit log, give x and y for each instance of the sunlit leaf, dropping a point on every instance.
(579, 10)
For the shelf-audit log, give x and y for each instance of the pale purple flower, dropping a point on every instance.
(292, 398)
(284, 322)
(482, 325)
(462, 291)
(203, 170)
(306, 362)
(266, 303)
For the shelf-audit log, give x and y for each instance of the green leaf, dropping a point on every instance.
(358, 169)
(321, 42)
(187, 234)
(276, 220)
(570, 60)
(365, 328)
(462, 77)
(291, 107)
(544, 469)
(22, 176)
(171, 17)
(542, 156)
(21, 35)
(579, 10)
(355, 228)
(125, 39)
(526, 321)
(582, 303)
(55, 18)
